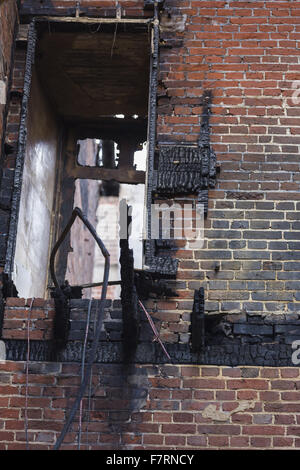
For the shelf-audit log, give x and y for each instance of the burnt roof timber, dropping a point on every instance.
(32, 8)
(89, 20)
(122, 175)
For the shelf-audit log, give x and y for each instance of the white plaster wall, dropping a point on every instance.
(34, 223)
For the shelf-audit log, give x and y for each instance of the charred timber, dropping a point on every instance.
(198, 322)
(184, 169)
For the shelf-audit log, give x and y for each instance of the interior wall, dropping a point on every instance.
(86, 197)
(38, 184)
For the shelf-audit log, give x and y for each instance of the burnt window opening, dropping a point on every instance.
(87, 86)
(100, 201)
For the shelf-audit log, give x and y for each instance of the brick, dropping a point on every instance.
(254, 384)
(284, 419)
(218, 441)
(263, 419)
(225, 429)
(213, 254)
(289, 372)
(272, 296)
(282, 442)
(269, 373)
(178, 428)
(282, 407)
(239, 442)
(250, 254)
(246, 395)
(252, 329)
(291, 431)
(255, 275)
(183, 417)
(210, 371)
(224, 395)
(230, 306)
(258, 234)
(152, 439)
(262, 442)
(263, 430)
(231, 372)
(190, 371)
(160, 417)
(176, 440)
(203, 395)
(204, 383)
(197, 441)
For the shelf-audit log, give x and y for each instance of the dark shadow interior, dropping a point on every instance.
(92, 71)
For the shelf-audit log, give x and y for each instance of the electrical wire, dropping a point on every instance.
(100, 314)
(114, 40)
(157, 338)
(82, 367)
(90, 391)
(92, 356)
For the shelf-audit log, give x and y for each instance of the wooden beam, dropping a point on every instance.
(106, 174)
(87, 20)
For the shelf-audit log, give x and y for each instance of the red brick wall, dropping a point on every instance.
(8, 157)
(247, 54)
(8, 14)
(150, 407)
(23, 315)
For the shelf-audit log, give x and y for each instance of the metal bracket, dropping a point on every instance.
(77, 213)
(152, 3)
(62, 294)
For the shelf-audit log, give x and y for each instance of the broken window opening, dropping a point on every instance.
(83, 85)
(100, 201)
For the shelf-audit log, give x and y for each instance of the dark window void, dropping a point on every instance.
(87, 122)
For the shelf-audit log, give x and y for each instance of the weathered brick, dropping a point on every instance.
(254, 384)
(258, 234)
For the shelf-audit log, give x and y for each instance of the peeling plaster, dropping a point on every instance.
(218, 415)
(174, 23)
(2, 92)
(2, 351)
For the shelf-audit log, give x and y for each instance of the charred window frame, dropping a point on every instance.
(84, 131)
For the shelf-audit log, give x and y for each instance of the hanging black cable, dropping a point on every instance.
(83, 364)
(78, 213)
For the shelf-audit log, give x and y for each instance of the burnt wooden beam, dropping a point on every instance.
(87, 20)
(129, 297)
(151, 3)
(107, 174)
(198, 322)
(22, 139)
(188, 169)
(32, 7)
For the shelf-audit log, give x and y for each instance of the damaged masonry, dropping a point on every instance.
(149, 238)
